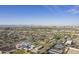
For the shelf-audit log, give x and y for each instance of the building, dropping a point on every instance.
(24, 45)
(73, 51)
(56, 49)
(68, 41)
(59, 46)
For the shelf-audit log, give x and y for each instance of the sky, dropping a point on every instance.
(39, 15)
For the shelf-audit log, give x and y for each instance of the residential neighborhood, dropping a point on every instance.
(39, 40)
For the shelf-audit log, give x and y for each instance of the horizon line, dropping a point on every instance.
(32, 25)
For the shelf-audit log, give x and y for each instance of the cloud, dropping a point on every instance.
(74, 10)
(52, 8)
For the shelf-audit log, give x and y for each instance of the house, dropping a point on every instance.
(59, 46)
(24, 45)
(68, 41)
(56, 49)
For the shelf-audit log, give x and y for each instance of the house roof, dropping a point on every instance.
(73, 51)
(58, 46)
(55, 51)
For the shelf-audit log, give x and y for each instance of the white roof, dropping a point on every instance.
(69, 42)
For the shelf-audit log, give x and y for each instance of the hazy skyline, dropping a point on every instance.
(39, 15)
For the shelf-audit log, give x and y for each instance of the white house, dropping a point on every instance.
(69, 42)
